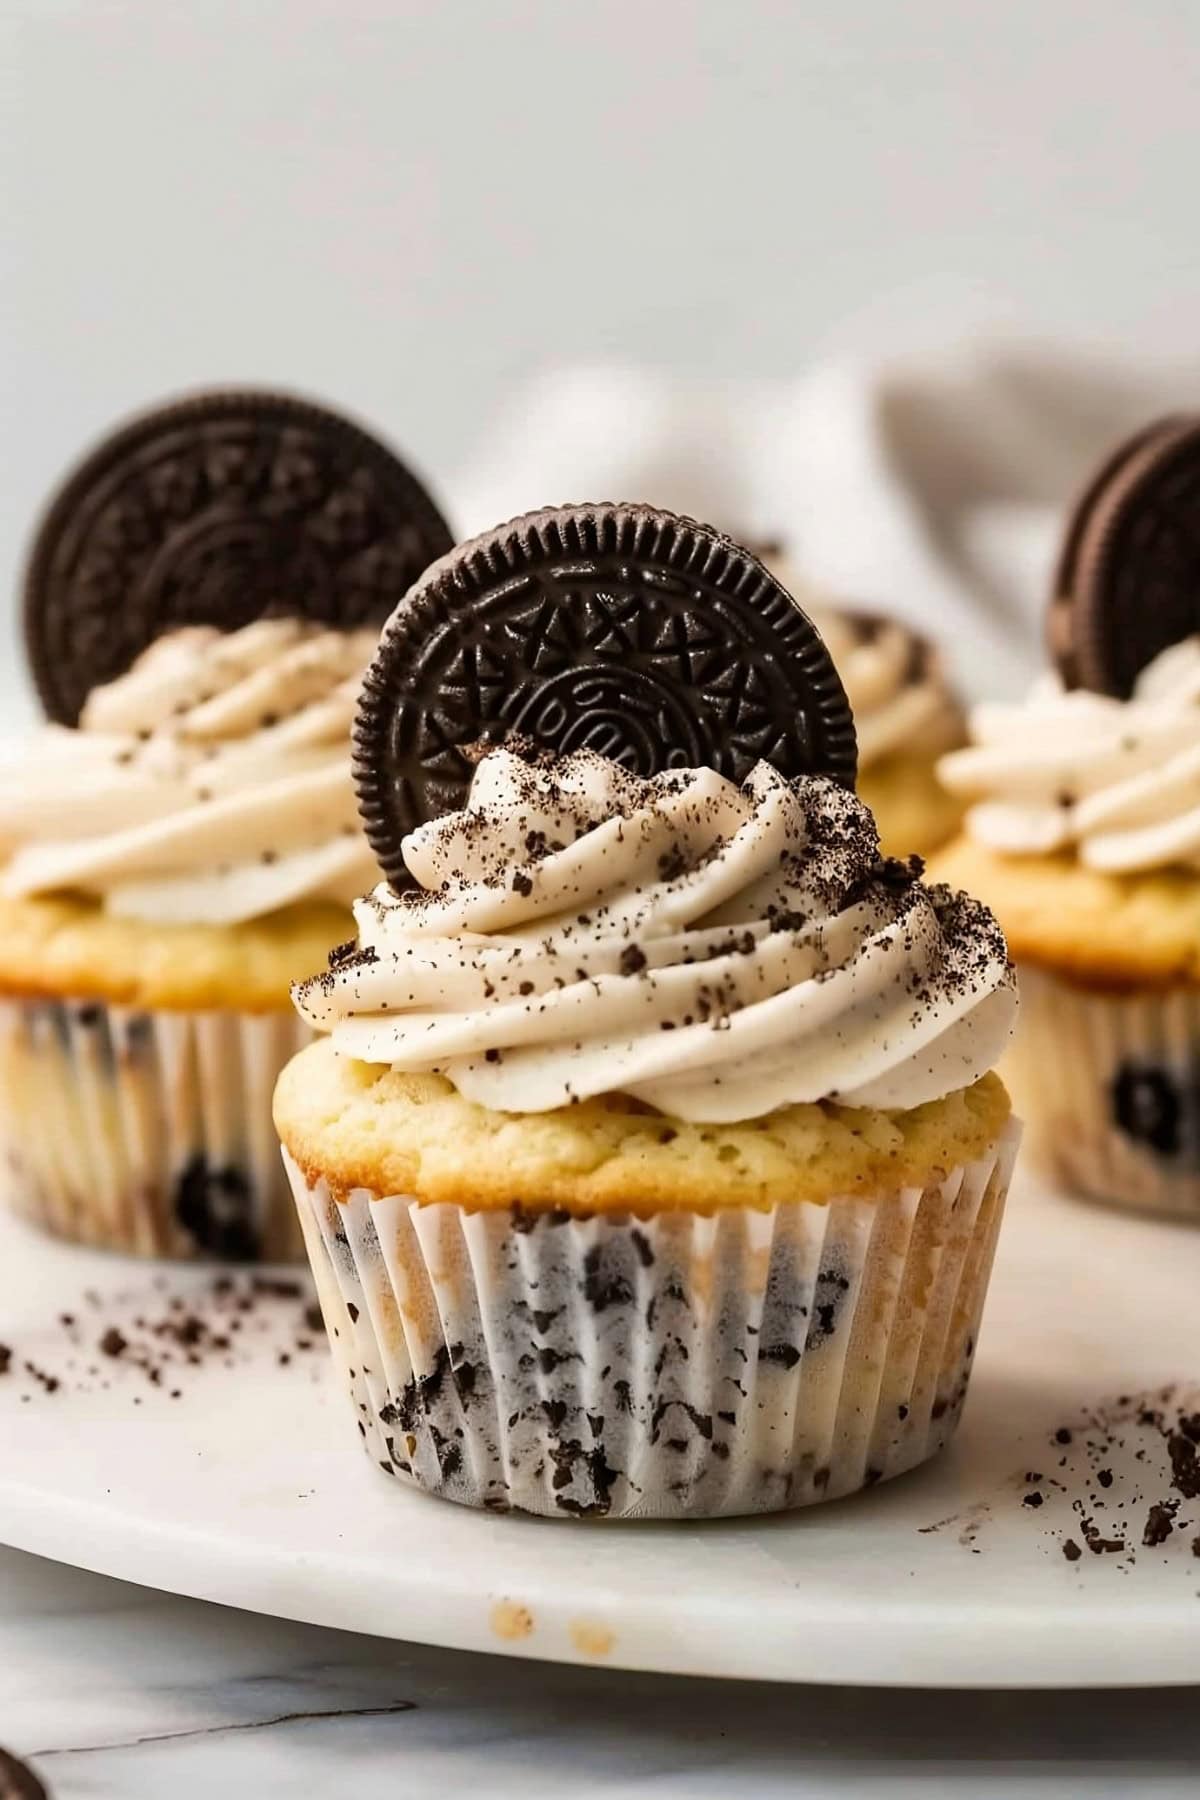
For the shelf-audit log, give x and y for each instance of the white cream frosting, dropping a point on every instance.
(895, 684)
(1118, 781)
(210, 784)
(894, 679)
(716, 952)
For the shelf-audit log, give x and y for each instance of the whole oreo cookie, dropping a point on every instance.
(218, 510)
(650, 638)
(1127, 583)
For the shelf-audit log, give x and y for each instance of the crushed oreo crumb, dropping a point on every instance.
(157, 1337)
(1160, 1522)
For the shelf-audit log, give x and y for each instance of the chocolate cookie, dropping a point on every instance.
(18, 1781)
(1127, 584)
(218, 510)
(650, 638)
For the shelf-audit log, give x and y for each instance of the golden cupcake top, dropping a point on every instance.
(361, 1125)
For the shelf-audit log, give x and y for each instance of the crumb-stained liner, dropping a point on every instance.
(148, 1131)
(683, 1365)
(1110, 1086)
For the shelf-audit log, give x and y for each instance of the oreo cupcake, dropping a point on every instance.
(182, 839)
(652, 1165)
(1084, 834)
(906, 713)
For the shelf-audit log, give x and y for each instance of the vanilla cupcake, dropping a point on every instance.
(182, 840)
(652, 1165)
(1084, 834)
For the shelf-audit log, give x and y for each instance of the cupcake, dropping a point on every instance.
(181, 839)
(906, 713)
(1084, 834)
(651, 1163)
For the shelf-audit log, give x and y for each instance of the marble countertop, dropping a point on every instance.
(116, 1692)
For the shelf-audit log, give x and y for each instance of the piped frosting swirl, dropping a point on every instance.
(895, 682)
(714, 951)
(210, 784)
(1117, 781)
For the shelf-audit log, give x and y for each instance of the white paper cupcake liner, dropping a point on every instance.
(148, 1131)
(1110, 1087)
(684, 1365)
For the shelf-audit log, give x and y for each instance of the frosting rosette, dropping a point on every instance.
(714, 951)
(210, 784)
(895, 682)
(1117, 781)
(895, 678)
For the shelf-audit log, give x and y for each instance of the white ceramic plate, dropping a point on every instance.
(251, 1489)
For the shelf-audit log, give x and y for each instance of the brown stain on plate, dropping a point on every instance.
(510, 1620)
(591, 1638)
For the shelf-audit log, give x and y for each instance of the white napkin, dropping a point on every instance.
(932, 491)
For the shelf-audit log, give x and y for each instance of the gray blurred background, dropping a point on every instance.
(413, 208)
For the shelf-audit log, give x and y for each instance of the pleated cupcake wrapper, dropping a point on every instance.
(1110, 1087)
(148, 1131)
(684, 1365)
